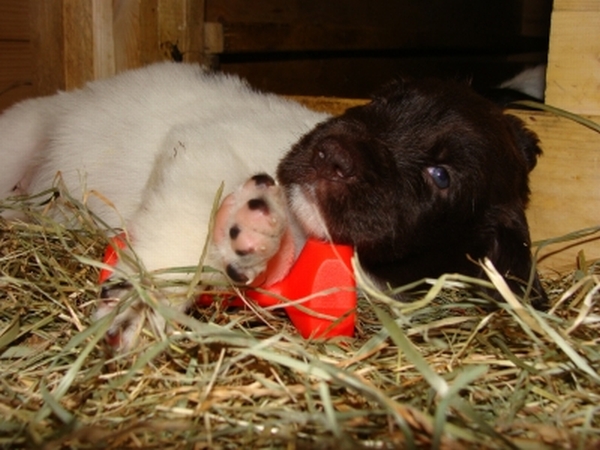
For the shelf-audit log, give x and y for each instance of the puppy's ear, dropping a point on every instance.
(526, 140)
(391, 90)
(510, 252)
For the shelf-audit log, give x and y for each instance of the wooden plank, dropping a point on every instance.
(72, 42)
(270, 37)
(171, 27)
(573, 76)
(16, 82)
(438, 13)
(88, 41)
(193, 36)
(148, 31)
(47, 40)
(277, 25)
(576, 5)
(78, 42)
(14, 20)
(126, 34)
(180, 32)
(535, 17)
(103, 42)
(15, 64)
(565, 185)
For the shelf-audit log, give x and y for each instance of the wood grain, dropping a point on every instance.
(565, 185)
(103, 42)
(280, 26)
(573, 76)
(16, 81)
(14, 20)
(47, 41)
(576, 5)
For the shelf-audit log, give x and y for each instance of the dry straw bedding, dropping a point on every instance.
(445, 371)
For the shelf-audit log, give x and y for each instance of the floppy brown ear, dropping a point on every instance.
(510, 253)
(526, 140)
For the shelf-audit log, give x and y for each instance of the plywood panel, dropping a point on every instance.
(576, 5)
(77, 41)
(573, 77)
(565, 185)
(14, 20)
(279, 26)
(15, 73)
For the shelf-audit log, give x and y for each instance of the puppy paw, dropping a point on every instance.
(249, 228)
(132, 315)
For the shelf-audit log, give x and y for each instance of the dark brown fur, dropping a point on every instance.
(371, 171)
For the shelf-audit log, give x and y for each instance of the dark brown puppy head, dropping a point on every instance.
(425, 174)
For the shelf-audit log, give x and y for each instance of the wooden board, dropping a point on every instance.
(98, 38)
(15, 73)
(14, 20)
(354, 25)
(565, 187)
(15, 53)
(573, 78)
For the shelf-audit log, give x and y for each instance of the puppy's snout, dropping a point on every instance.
(332, 161)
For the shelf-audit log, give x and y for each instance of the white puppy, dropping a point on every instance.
(157, 143)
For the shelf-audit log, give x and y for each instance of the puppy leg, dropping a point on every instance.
(168, 231)
(128, 324)
(251, 228)
(24, 129)
(253, 242)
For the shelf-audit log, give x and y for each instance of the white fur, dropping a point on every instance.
(531, 81)
(157, 142)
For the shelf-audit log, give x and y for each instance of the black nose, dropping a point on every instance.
(332, 160)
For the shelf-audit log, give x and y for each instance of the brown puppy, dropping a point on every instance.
(422, 180)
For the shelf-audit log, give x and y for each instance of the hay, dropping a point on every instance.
(443, 372)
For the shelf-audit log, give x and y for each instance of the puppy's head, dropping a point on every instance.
(425, 174)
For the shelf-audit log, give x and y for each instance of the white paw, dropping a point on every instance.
(127, 328)
(249, 227)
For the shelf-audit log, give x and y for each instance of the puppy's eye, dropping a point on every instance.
(440, 176)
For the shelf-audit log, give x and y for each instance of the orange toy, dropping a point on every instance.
(322, 275)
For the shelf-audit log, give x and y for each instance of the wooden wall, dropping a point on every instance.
(574, 59)
(97, 38)
(566, 183)
(15, 53)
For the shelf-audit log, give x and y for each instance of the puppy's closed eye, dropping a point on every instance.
(439, 176)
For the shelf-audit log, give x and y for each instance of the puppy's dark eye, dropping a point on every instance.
(440, 176)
